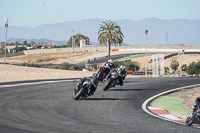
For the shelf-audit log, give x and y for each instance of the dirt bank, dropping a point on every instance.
(11, 73)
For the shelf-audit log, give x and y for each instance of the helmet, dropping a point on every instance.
(123, 67)
(198, 99)
(110, 61)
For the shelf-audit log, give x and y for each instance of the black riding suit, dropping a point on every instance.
(121, 75)
(197, 103)
(94, 83)
(109, 66)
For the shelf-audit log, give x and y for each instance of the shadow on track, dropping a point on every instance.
(107, 99)
(130, 89)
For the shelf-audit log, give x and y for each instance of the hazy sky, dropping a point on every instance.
(36, 12)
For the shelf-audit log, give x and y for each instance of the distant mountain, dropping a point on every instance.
(178, 31)
(41, 40)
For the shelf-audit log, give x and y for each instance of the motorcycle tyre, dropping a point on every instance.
(190, 122)
(107, 84)
(78, 94)
(99, 74)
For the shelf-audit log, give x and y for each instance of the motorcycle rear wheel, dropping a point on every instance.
(107, 84)
(77, 95)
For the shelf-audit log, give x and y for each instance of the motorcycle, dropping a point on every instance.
(111, 81)
(194, 116)
(82, 89)
(101, 73)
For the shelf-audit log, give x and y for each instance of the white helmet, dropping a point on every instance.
(110, 61)
(123, 67)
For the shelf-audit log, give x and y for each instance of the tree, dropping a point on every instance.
(32, 42)
(25, 43)
(38, 46)
(174, 64)
(193, 68)
(2, 49)
(77, 39)
(16, 44)
(118, 64)
(166, 69)
(110, 33)
(19, 49)
(184, 67)
(132, 66)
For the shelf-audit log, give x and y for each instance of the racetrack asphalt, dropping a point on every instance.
(49, 108)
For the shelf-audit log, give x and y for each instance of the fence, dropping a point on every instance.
(97, 48)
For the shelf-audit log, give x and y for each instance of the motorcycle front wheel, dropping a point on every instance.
(107, 84)
(77, 95)
(189, 120)
(99, 75)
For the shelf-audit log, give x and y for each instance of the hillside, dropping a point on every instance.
(179, 31)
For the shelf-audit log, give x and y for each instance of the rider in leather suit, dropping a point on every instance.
(109, 66)
(94, 83)
(121, 74)
(197, 103)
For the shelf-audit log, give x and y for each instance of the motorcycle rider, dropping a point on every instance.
(109, 66)
(94, 83)
(197, 103)
(121, 74)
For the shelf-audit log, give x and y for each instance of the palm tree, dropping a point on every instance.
(110, 33)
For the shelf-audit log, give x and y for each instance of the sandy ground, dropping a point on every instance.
(11, 73)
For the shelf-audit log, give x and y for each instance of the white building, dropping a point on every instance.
(84, 43)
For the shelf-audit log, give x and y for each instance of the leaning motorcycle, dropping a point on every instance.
(111, 81)
(101, 73)
(194, 117)
(82, 89)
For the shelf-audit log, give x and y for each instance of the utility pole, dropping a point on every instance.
(146, 31)
(6, 26)
(181, 52)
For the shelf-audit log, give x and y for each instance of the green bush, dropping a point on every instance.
(30, 65)
(193, 68)
(118, 64)
(174, 64)
(24, 64)
(184, 67)
(130, 66)
(64, 66)
(166, 70)
(19, 49)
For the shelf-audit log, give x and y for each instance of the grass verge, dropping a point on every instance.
(134, 56)
(173, 105)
